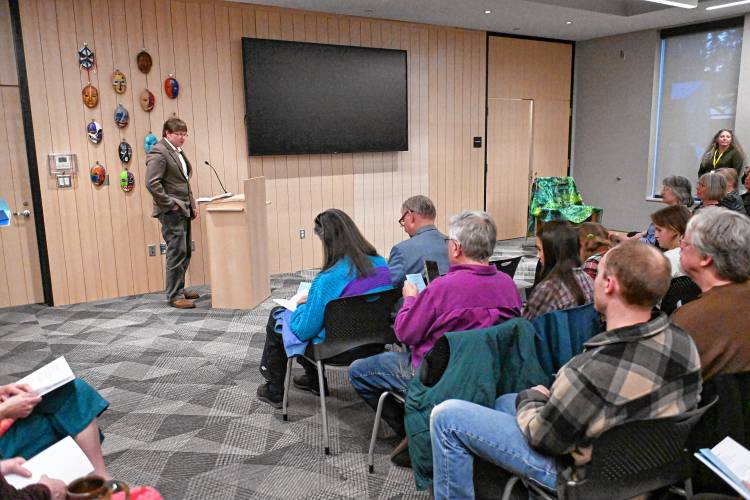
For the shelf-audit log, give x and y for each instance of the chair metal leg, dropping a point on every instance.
(688, 488)
(287, 383)
(323, 407)
(509, 487)
(375, 427)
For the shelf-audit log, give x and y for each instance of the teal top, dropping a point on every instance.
(307, 320)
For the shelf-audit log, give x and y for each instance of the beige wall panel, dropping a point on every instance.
(529, 69)
(7, 55)
(200, 43)
(508, 158)
(551, 129)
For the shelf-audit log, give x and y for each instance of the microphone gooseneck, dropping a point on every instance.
(216, 174)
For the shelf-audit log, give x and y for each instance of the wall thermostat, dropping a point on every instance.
(61, 164)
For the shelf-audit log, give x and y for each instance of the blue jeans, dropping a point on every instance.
(459, 430)
(388, 371)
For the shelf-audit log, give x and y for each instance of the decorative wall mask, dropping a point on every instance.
(127, 181)
(171, 87)
(125, 152)
(94, 132)
(122, 117)
(147, 100)
(144, 61)
(86, 57)
(98, 174)
(149, 142)
(119, 82)
(90, 95)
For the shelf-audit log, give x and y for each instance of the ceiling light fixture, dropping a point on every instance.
(568, 22)
(488, 12)
(730, 4)
(685, 4)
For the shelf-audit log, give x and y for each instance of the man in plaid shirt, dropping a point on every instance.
(642, 367)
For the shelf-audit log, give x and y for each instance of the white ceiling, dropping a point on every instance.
(543, 18)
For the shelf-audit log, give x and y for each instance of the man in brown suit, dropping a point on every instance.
(168, 174)
(715, 253)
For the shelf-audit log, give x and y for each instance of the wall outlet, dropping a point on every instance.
(302, 234)
(162, 248)
(192, 245)
(151, 250)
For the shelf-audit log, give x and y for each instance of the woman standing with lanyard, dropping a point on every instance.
(724, 151)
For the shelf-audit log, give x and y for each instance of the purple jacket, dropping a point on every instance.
(466, 298)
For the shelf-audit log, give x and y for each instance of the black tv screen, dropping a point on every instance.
(317, 98)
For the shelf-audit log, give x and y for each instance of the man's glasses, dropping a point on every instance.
(401, 220)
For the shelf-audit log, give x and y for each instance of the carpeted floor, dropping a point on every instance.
(183, 415)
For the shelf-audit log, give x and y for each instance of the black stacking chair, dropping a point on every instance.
(430, 371)
(681, 290)
(356, 327)
(508, 266)
(629, 460)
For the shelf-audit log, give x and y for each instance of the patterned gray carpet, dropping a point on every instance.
(183, 415)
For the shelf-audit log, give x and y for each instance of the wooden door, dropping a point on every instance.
(20, 276)
(509, 150)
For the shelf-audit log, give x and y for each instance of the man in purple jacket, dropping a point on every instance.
(473, 294)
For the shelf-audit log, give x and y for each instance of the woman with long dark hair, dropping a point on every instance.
(351, 266)
(563, 283)
(724, 151)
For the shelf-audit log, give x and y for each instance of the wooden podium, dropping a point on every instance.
(237, 234)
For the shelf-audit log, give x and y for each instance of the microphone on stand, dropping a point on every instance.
(226, 193)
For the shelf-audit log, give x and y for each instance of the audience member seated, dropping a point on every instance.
(351, 266)
(716, 255)
(675, 190)
(563, 283)
(670, 223)
(594, 241)
(473, 294)
(425, 241)
(732, 200)
(643, 367)
(40, 422)
(711, 189)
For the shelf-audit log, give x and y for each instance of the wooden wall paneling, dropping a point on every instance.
(551, 130)
(11, 103)
(443, 118)
(508, 158)
(462, 128)
(336, 176)
(165, 38)
(421, 185)
(199, 141)
(479, 61)
(316, 168)
(67, 210)
(7, 54)
(379, 166)
(109, 217)
(42, 136)
(358, 160)
(226, 97)
(12, 282)
(136, 131)
(432, 116)
(347, 159)
(133, 201)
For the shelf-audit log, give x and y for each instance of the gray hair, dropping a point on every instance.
(723, 235)
(421, 205)
(476, 232)
(715, 186)
(681, 188)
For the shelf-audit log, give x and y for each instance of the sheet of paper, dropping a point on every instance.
(735, 457)
(291, 304)
(416, 280)
(738, 488)
(49, 377)
(63, 460)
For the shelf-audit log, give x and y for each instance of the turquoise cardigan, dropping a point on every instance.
(307, 320)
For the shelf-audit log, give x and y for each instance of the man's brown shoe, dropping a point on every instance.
(190, 294)
(182, 304)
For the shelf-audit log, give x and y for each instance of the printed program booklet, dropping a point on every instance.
(63, 460)
(731, 461)
(49, 377)
(302, 290)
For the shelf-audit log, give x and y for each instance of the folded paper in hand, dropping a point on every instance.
(63, 460)
(731, 462)
(302, 290)
(49, 377)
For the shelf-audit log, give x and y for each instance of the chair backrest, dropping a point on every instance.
(431, 270)
(357, 321)
(435, 362)
(508, 266)
(635, 458)
(681, 290)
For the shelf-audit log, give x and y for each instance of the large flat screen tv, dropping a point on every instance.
(316, 98)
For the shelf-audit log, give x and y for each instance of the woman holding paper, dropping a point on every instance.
(351, 266)
(46, 489)
(30, 423)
